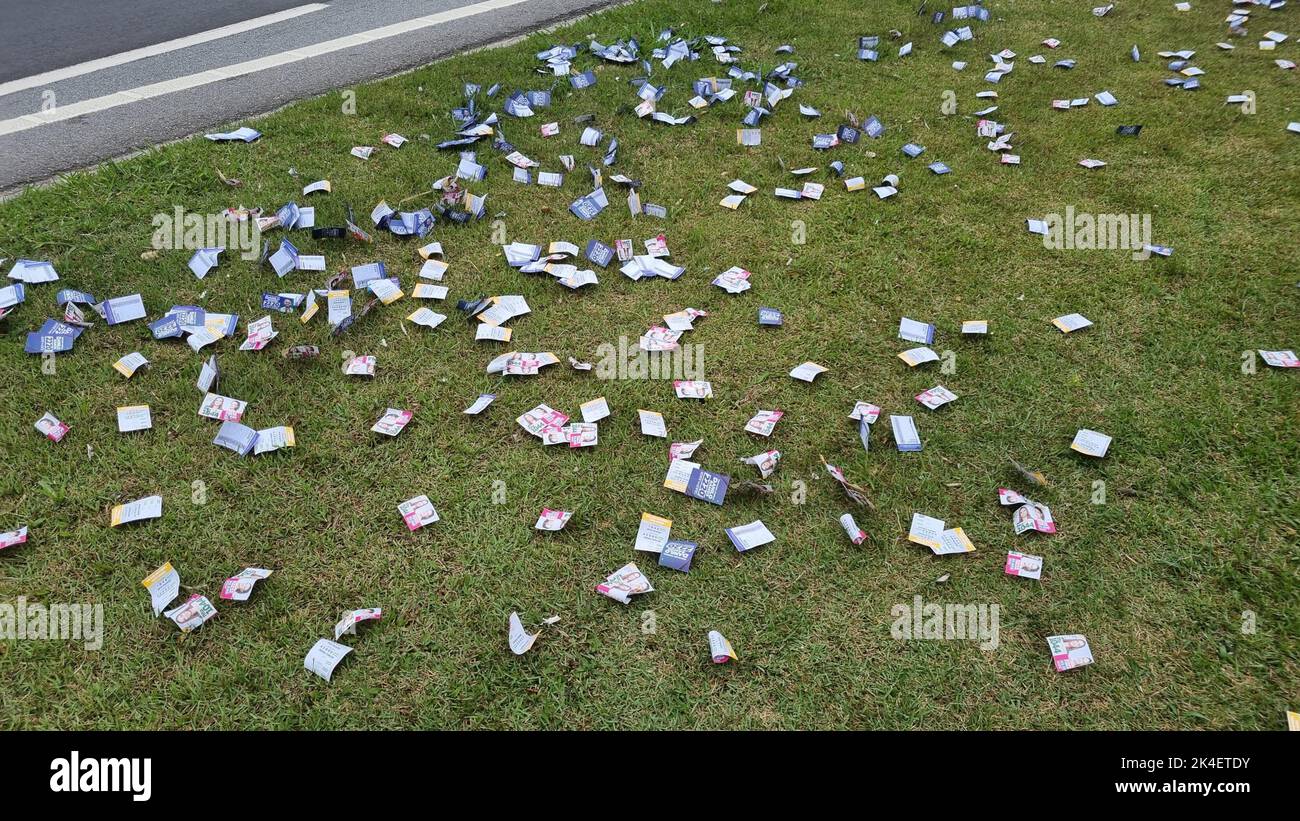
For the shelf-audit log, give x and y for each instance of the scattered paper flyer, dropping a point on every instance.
(1071, 322)
(239, 587)
(764, 422)
(324, 656)
(417, 512)
(129, 364)
(856, 534)
(720, 649)
(192, 614)
(624, 583)
(1069, 652)
(521, 641)
(51, 427)
(652, 423)
(133, 417)
(653, 533)
(348, 624)
(926, 530)
(480, 404)
(747, 537)
(552, 519)
(164, 585)
(393, 422)
(1023, 564)
(808, 371)
(1090, 443)
(150, 507)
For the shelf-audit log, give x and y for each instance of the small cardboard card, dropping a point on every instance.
(236, 437)
(552, 519)
(1090, 443)
(417, 512)
(393, 422)
(677, 555)
(974, 327)
(360, 366)
(720, 649)
(133, 418)
(324, 656)
(521, 641)
(1071, 322)
(808, 371)
(594, 410)
(909, 330)
(906, 436)
(1069, 652)
(348, 624)
(51, 427)
(653, 533)
(926, 530)
(240, 586)
(706, 485)
(749, 536)
(652, 423)
(129, 364)
(191, 615)
(164, 585)
(764, 422)
(624, 583)
(856, 534)
(1024, 564)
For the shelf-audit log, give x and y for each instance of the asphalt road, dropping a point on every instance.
(49, 125)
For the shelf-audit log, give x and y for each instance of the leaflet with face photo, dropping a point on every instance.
(865, 412)
(324, 656)
(764, 422)
(765, 461)
(347, 625)
(542, 419)
(1024, 565)
(417, 512)
(50, 427)
(1280, 359)
(192, 614)
(14, 537)
(133, 417)
(360, 366)
(936, 397)
(1069, 652)
(240, 586)
(683, 450)
(734, 280)
(164, 585)
(552, 519)
(747, 537)
(624, 583)
(393, 422)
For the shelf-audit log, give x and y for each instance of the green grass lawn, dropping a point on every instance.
(1201, 516)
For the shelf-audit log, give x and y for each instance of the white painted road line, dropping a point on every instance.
(84, 107)
(102, 63)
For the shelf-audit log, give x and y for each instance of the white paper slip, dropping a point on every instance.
(433, 269)
(808, 371)
(926, 530)
(974, 326)
(164, 585)
(480, 404)
(595, 410)
(720, 649)
(427, 318)
(324, 656)
(1071, 322)
(653, 533)
(936, 397)
(150, 507)
(747, 537)
(909, 330)
(906, 437)
(133, 417)
(952, 541)
(521, 641)
(652, 423)
(918, 356)
(1090, 443)
(426, 290)
(129, 364)
(347, 625)
(272, 439)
